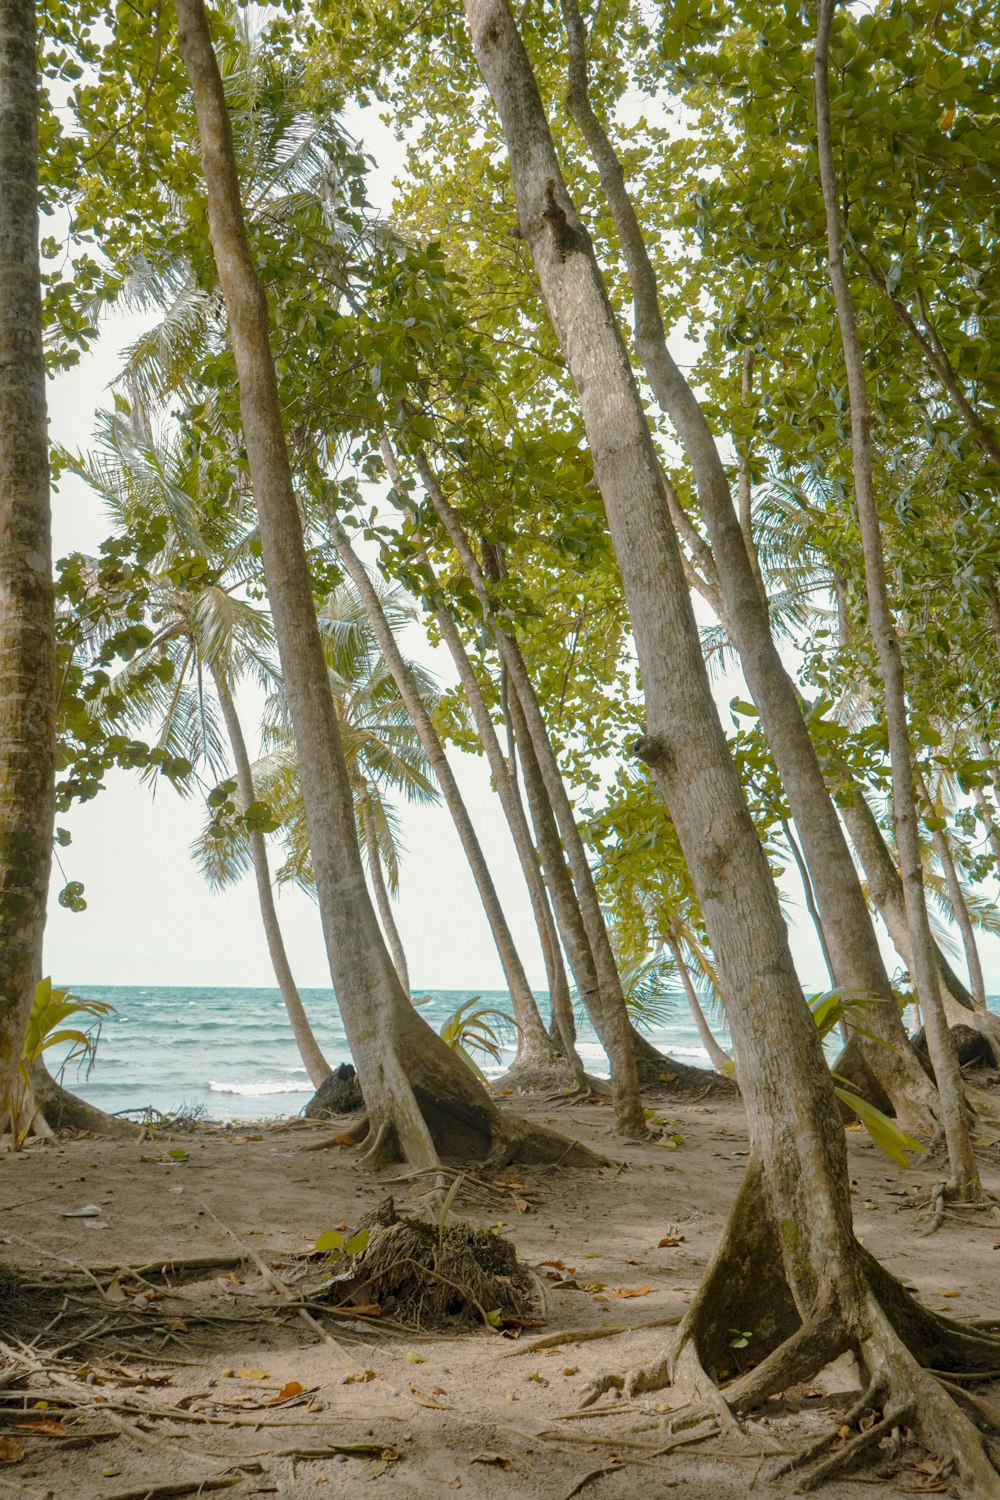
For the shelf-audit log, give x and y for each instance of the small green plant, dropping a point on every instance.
(50, 1010)
(480, 1028)
(828, 1010)
(450, 1197)
(740, 1338)
(337, 1244)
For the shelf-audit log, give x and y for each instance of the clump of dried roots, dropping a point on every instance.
(433, 1276)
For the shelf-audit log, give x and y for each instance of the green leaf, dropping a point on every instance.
(885, 1132)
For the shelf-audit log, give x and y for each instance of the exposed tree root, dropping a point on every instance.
(656, 1070)
(62, 1110)
(911, 1360)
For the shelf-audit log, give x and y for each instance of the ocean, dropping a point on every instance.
(230, 1052)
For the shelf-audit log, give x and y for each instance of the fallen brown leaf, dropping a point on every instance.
(47, 1429)
(670, 1239)
(359, 1377)
(11, 1451)
(628, 1291)
(496, 1459)
(423, 1399)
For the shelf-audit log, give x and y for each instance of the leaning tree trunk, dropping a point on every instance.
(956, 898)
(857, 962)
(831, 1293)
(717, 1056)
(382, 900)
(313, 1060)
(535, 1050)
(27, 605)
(506, 791)
(986, 814)
(616, 1036)
(421, 1098)
(964, 1173)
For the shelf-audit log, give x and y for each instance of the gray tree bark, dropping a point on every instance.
(964, 1173)
(27, 607)
(853, 948)
(794, 1211)
(312, 1057)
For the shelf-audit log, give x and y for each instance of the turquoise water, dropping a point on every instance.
(231, 1052)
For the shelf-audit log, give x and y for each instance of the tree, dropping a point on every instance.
(419, 1096)
(793, 1214)
(202, 627)
(964, 1173)
(27, 607)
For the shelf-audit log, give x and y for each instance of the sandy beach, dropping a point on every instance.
(149, 1355)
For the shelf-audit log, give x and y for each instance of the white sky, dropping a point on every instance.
(151, 920)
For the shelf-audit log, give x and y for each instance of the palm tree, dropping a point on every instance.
(204, 627)
(381, 748)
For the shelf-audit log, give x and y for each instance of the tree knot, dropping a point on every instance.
(654, 751)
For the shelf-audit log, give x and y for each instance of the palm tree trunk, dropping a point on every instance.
(417, 1091)
(720, 1059)
(27, 607)
(313, 1060)
(534, 1048)
(382, 900)
(956, 896)
(502, 773)
(807, 891)
(986, 813)
(857, 962)
(964, 1173)
(617, 1037)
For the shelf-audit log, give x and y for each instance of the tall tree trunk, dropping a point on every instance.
(382, 900)
(810, 899)
(313, 1060)
(27, 606)
(854, 951)
(989, 823)
(956, 897)
(501, 772)
(534, 1046)
(964, 1173)
(420, 1096)
(616, 1036)
(562, 1021)
(717, 1056)
(795, 1206)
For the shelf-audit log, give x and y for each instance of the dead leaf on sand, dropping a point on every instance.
(498, 1460)
(422, 1399)
(11, 1451)
(628, 1291)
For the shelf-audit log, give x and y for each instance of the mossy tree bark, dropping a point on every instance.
(837, 1296)
(27, 607)
(421, 1098)
(847, 927)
